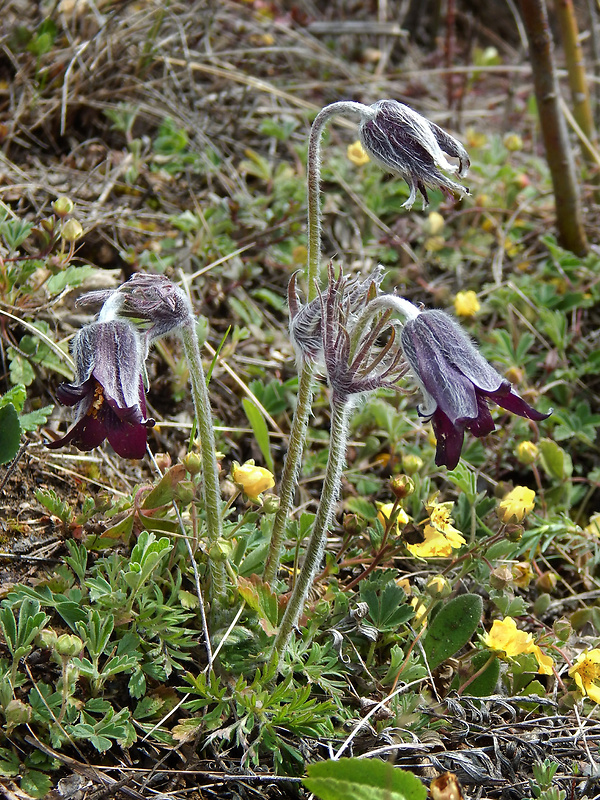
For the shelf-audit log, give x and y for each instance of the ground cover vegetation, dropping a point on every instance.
(270, 522)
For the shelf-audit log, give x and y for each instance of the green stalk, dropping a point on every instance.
(210, 470)
(293, 458)
(316, 544)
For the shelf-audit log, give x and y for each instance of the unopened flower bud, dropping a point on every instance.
(513, 142)
(434, 224)
(500, 577)
(63, 206)
(438, 587)
(402, 486)
(46, 638)
(221, 550)
(514, 374)
(193, 463)
(163, 461)
(352, 524)
(270, 504)
(411, 463)
(357, 155)
(71, 230)
(522, 574)
(68, 645)
(527, 453)
(547, 581)
(185, 491)
(514, 533)
(562, 629)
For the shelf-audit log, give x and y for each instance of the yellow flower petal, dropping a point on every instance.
(506, 638)
(436, 544)
(251, 479)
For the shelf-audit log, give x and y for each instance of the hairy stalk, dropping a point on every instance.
(210, 471)
(318, 538)
(291, 466)
(554, 130)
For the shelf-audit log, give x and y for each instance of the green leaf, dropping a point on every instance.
(10, 433)
(35, 783)
(362, 779)
(451, 628)
(484, 684)
(16, 396)
(260, 430)
(164, 491)
(388, 608)
(33, 420)
(260, 597)
(68, 278)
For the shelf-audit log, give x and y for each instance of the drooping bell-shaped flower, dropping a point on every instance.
(457, 383)
(109, 391)
(404, 142)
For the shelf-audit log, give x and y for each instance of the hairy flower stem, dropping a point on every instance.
(299, 426)
(210, 470)
(316, 544)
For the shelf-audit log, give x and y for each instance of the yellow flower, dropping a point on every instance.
(527, 452)
(384, 513)
(466, 304)
(586, 671)
(356, 154)
(421, 609)
(252, 480)
(505, 637)
(436, 544)
(516, 505)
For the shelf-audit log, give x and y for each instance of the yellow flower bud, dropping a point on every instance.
(513, 142)
(63, 205)
(252, 480)
(438, 587)
(68, 645)
(466, 304)
(71, 230)
(356, 154)
(402, 486)
(411, 464)
(434, 224)
(527, 453)
(516, 505)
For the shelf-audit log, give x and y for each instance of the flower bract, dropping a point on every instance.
(109, 390)
(456, 382)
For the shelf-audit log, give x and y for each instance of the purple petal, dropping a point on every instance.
(86, 434)
(69, 394)
(484, 423)
(516, 405)
(127, 440)
(449, 440)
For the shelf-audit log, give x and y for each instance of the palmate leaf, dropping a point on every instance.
(362, 779)
(388, 608)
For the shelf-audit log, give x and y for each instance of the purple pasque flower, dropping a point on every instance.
(402, 141)
(457, 383)
(152, 300)
(109, 390)
(306, 320)
(354, 363)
